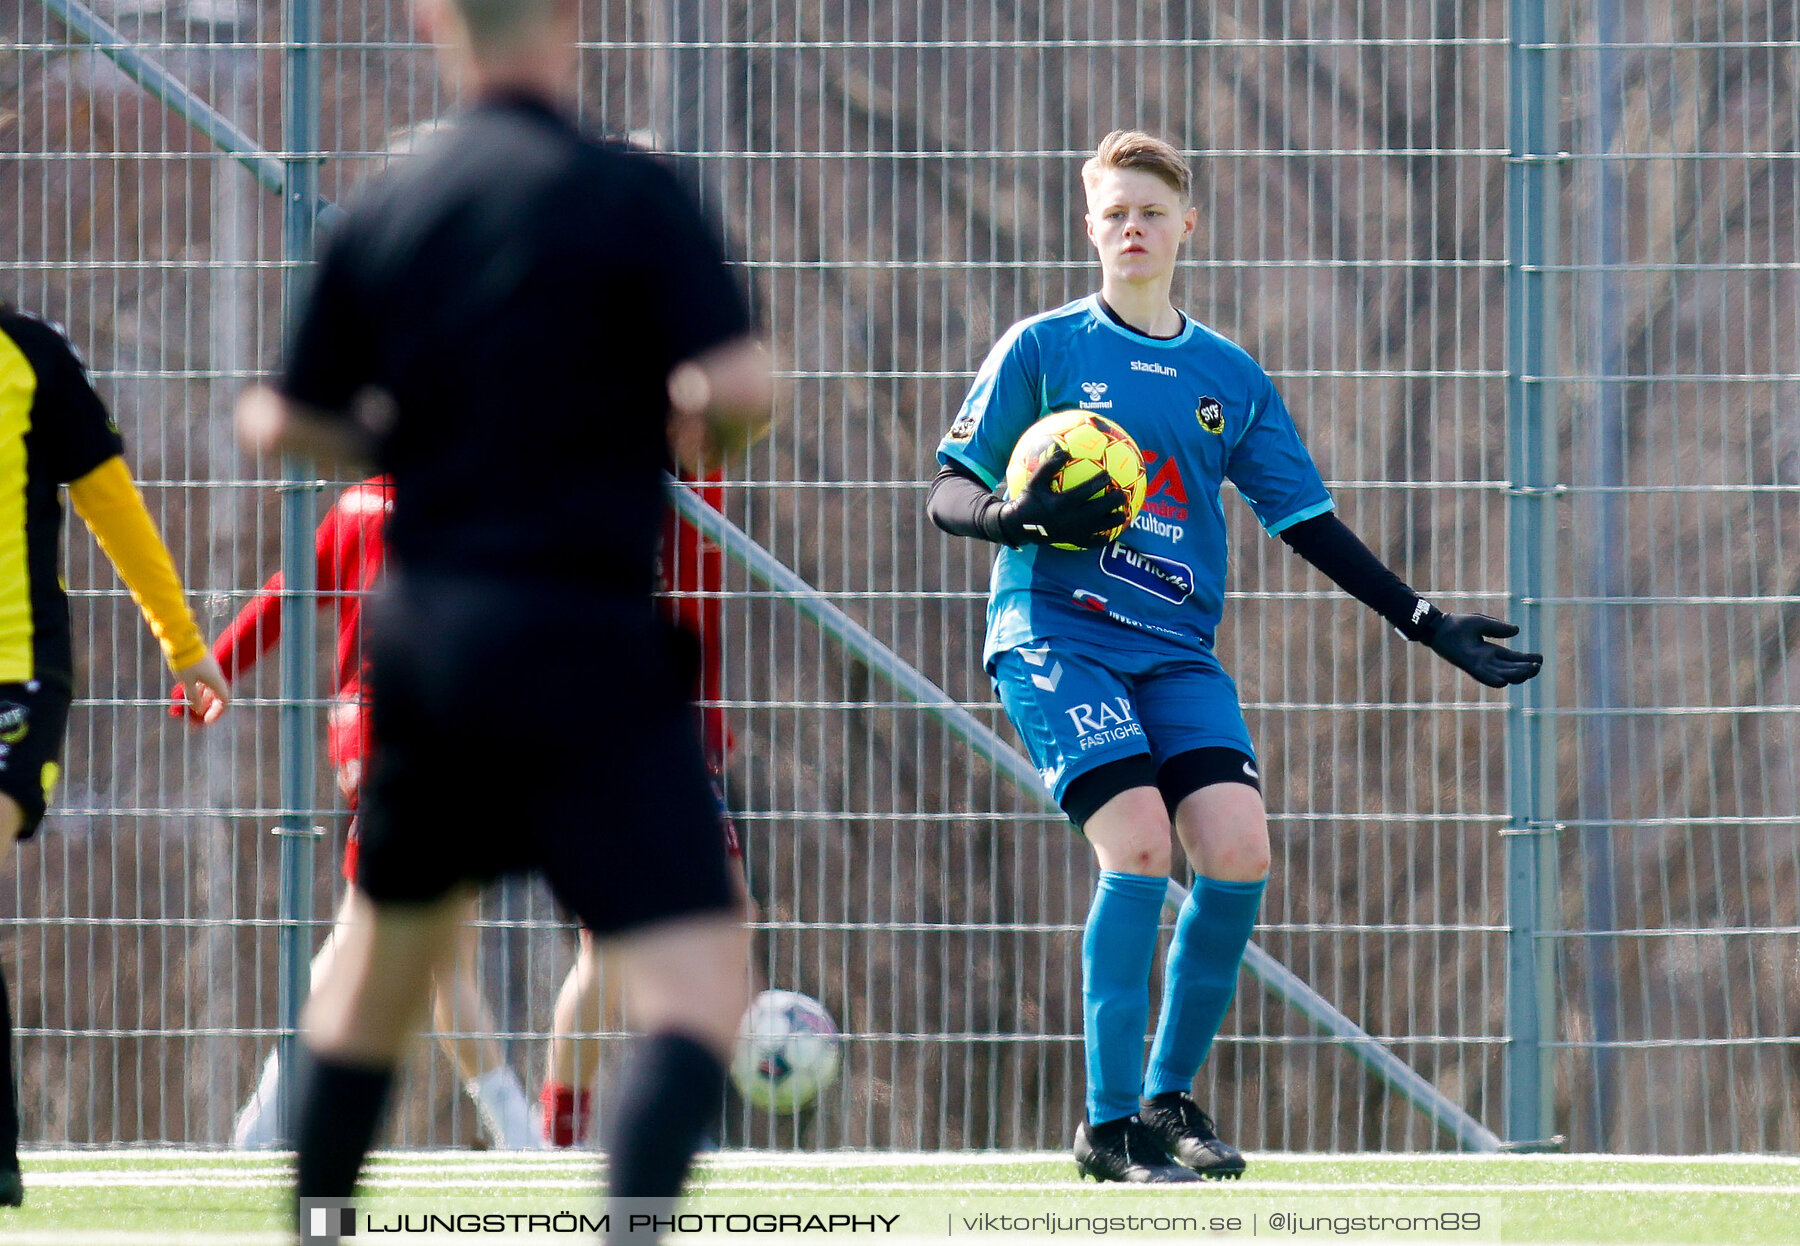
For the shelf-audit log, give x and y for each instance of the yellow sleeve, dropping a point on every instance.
(109, 502)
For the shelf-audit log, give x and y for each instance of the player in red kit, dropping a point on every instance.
(693, 585)
(350, 550)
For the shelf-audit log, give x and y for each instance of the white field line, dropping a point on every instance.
(150, 1237)
(908, 1159)
(879, 1159)
(252, 1181)
(124, 1237)
(145, 1237)
(1249, 1188)
(384, 1180)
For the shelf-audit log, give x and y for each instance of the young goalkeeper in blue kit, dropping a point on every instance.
(1103, 655)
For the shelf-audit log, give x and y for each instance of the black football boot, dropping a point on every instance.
(1188, 1134)
(1123, 1150)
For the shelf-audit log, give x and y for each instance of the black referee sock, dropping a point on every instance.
(9, 1086)
(340, 1109)
(672, 1090)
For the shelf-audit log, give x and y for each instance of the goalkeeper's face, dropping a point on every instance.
(1137, 223)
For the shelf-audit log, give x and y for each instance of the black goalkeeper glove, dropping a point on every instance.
(1084, 516)
(1463, 641)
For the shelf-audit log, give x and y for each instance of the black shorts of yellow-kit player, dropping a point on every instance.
(33, 719)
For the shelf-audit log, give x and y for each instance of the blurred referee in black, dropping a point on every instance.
(516, 325)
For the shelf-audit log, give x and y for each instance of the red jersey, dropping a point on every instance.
(692, 573)
(348, 552)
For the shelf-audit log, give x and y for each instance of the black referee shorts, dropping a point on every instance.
(33, 719)
(531, 728)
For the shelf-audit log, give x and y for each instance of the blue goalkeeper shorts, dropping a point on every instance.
(1078, 706)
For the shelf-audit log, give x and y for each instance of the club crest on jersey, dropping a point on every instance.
(1160, 577)
(964, 428)
(1097, 399)
(1211, 415)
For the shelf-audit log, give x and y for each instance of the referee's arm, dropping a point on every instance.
(719, 402)
(270, 422)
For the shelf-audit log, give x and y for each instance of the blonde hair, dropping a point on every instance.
(1134, 149)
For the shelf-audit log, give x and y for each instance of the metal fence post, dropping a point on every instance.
(1531, 328)
(1605, 756)
(299, 215)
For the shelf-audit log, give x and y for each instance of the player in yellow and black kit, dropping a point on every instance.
(54, 430)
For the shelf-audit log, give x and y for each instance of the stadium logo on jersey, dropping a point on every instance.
(965, 425)
(1111, 722)
(1160, 577)
(1096, 392)
(15, 722)
(1211, 415)
(1161, 369)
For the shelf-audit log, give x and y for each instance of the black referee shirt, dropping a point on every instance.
(522, 292)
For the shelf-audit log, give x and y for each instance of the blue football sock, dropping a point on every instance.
(1199, 978)
(1117, 951)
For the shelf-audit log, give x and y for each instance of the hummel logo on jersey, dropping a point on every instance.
(1161, 369)
(1048, 682)
(1096, 392)
(1211, 415)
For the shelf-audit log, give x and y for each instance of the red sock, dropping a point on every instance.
(566, 1113)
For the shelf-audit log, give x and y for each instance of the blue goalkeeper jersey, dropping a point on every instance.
(1203, 412)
